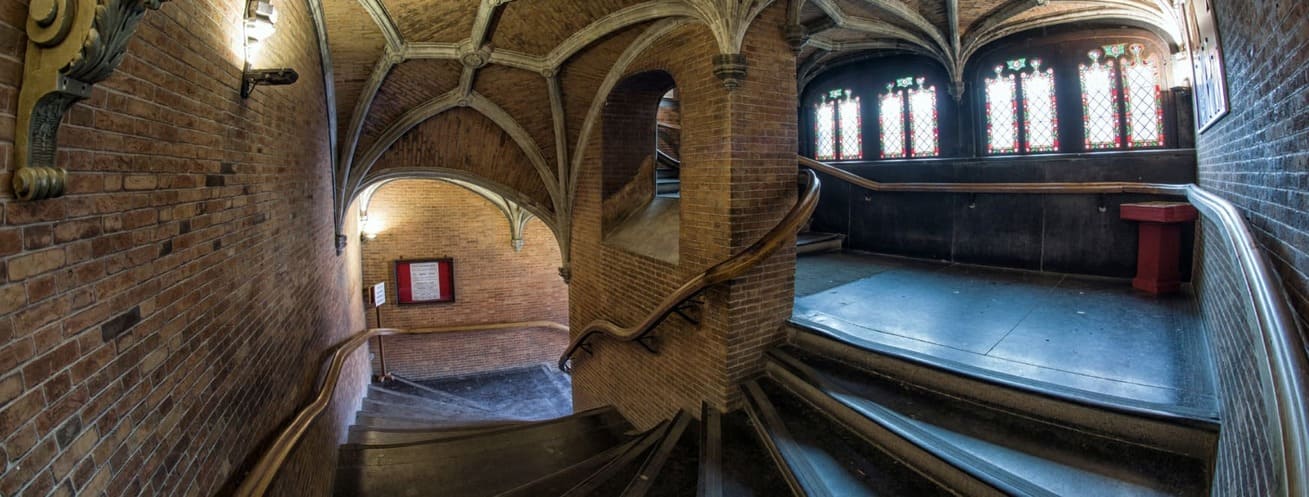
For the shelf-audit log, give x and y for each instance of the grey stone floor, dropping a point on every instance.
(1082, 334)
(531, 393)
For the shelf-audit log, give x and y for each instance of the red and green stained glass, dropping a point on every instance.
(908, 117)
(1040, 109)
(838, 127)
(892, 120)
(923, 121)
(825, 131)
(852, 140)
(1143, 100)
(1100, 102)
(1001, 113)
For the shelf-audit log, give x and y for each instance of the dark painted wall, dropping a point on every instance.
(1059, 233)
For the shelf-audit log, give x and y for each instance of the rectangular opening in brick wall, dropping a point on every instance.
(430, 220)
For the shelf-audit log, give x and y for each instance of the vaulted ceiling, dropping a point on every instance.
(534, 67)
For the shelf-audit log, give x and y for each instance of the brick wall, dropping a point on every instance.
(1258, 155)
(1258, 158)
(160, 321)
(1247, 463)
(493, 283)
(738, 179)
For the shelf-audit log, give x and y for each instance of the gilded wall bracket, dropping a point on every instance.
(72, 45)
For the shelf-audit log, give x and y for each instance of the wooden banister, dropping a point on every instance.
(731, 268)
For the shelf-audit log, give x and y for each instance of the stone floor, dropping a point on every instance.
(1091, 336)
(531, 393)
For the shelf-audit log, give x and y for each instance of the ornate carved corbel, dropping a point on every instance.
(731, 69)
(72, 45)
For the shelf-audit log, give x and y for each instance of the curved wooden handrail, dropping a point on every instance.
(731, 268)
(664, 158)
(1279, 332)
(261, 475)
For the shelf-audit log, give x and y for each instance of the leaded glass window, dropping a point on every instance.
(825, 131)
(1040, 109)
(1143, 100)
(909, 119)
(1100, 102)
(1021, 84)
(838, 127)
(1122, 99)
(892, 119)
(852, 140)
(1002, 113)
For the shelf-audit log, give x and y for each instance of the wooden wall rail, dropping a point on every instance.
(261, 475)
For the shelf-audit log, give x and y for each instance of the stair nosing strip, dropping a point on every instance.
(990, 474)
(795, 466)
(1190, 417)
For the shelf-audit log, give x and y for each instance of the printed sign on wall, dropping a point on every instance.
(424, 281)
(1210, 82)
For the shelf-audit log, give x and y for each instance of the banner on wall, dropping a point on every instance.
(424, 281)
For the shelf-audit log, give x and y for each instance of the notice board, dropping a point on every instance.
(424, 281)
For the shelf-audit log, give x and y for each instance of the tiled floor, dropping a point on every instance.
(1076, 334)
(531, 392)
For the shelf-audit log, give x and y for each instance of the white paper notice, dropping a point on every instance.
(425, 281)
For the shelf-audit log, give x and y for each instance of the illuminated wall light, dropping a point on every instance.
(260, 25)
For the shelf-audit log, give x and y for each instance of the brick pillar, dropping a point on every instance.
(761, 154)
(738, 180)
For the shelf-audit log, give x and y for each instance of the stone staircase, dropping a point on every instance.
(826, 419)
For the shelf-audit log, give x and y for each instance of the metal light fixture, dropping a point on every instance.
(260, 24)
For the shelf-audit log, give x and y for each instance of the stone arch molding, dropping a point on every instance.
(903, 29)
(517, 208)
(728, 20)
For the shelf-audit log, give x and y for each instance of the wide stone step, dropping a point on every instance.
(1007, 451)
(481, 465)
(821, 458)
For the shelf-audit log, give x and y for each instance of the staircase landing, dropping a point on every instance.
(1090, 338)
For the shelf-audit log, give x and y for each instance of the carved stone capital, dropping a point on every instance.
(566, 272)
(797, 36)
(341, 242)
(731, 68)
(72, 45)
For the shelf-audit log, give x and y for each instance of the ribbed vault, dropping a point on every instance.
(536, 69)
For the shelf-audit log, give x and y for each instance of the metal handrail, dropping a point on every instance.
(259, 478)
(731, 268)
(1288, 365)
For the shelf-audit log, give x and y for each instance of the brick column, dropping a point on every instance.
(738, 180)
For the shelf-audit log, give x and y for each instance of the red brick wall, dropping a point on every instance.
(493, 283)
(738, 179)
(160, 321)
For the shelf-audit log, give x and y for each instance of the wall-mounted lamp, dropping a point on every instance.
(368, 230)
(260, 24)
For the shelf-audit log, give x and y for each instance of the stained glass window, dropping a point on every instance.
(1122, 99)
(1100, 101)
(1141, 95)
(824, 131)
(909, 119)
(922, 120)
(1001, 113)
(852, 141)
(1021, 84)
(838, 127)
(892, 119)
(1040, 117)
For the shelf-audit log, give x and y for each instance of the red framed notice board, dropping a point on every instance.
(424, 281)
